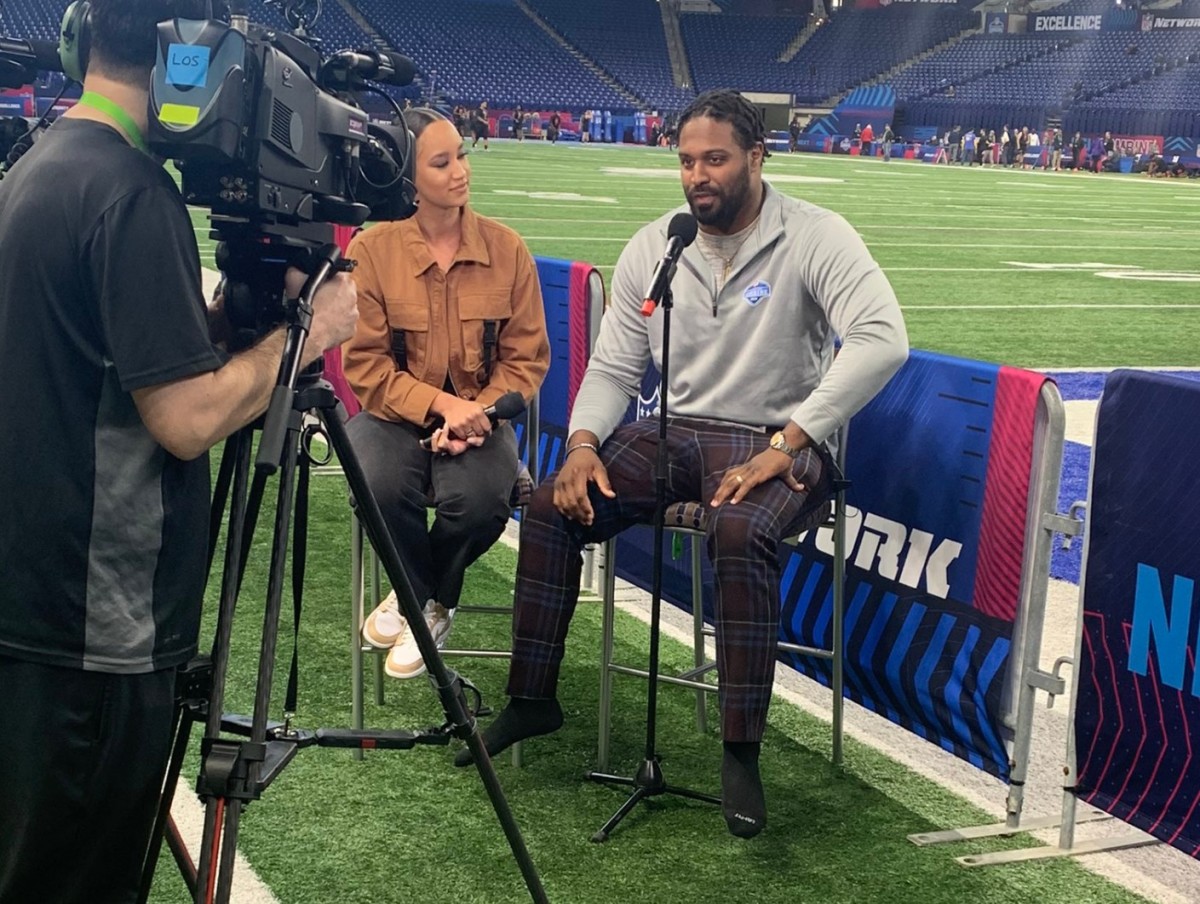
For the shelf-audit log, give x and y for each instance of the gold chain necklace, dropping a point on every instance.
(728, 261)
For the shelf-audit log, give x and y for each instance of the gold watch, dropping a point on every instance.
(780, 443)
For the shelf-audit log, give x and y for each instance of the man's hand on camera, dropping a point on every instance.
(335, 312)
(220, 330)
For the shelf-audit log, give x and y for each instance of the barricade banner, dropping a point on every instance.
(1138, 699)
(1183, 145)
(16, 102)
(570, 291)
(940, 464)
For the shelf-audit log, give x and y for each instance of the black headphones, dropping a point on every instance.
(75, 39)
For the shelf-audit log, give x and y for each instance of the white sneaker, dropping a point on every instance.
(384, 626)
(404, 660)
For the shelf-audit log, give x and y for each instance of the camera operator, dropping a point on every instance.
(114, 392)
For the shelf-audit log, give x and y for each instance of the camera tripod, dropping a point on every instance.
(235, 772)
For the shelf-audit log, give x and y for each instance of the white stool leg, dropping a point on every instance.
(377, 595)
(356, 621)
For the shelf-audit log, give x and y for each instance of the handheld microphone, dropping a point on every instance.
(681, 232)
(381, 66)
(505, 408)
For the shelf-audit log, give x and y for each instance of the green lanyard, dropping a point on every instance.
(123, 119)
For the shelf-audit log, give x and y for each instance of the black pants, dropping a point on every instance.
(82, 757)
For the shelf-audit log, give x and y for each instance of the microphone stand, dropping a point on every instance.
(649, 780)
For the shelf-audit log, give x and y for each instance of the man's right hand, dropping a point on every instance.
(335, 311)
(583, 466)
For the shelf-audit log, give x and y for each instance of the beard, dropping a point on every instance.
(722, 205)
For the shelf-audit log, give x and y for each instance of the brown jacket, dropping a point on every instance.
(442, 316)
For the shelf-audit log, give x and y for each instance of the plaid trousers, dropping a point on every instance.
(742, 541)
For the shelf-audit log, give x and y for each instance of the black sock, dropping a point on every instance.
(522, 718)
(742, 800)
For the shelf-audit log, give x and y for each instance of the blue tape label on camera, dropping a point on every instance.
(187, 65)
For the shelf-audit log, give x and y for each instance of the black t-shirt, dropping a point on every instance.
(104, 533)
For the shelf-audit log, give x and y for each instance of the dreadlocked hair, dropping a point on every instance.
(729, 106)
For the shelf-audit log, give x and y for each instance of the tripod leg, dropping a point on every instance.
(164, 826)
(448, 686)
(218, 876)
(181, 854)
(233, 822)
(215, 805)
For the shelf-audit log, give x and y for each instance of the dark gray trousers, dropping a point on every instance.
(469, 493)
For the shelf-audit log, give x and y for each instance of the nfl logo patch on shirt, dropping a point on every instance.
(760, 291)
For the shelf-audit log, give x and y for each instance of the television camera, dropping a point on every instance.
(268, 134)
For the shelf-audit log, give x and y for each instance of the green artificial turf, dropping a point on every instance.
(404, 826)
(407, 826)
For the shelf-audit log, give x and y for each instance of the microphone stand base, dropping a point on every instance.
(649, 782)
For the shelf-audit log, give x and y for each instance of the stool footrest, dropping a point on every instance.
(665, 679)
(480, 654)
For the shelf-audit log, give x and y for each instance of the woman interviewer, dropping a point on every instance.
(450, 319)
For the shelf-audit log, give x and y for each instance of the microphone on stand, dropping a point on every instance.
(681, 232)
(505, 408)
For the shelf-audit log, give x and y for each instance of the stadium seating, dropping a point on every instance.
(1165, 104)
(969, 59)
(741, 51)
(730, 51)
(32, 19)
(475, 50)
(614, 56)
(626, 39)
(1129, 82)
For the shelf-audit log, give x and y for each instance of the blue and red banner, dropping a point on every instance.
(1137, 715)
(571, 292)
(940, 464)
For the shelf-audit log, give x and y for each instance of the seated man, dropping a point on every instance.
(755, 391)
